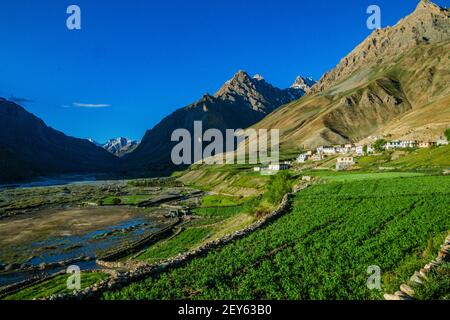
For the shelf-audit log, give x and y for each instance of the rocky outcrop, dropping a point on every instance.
(419, 278)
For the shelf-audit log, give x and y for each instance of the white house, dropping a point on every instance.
(302, 158)
(401, 144)
(280, 166)
(359, 150)
(426, 144)
(344, 162)
(441, 142)
(326, 150)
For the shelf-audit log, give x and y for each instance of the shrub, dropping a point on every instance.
(378, 146)
(116, 201)
(279, 185)
(447, 134)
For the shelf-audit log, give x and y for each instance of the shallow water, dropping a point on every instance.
(57, 248)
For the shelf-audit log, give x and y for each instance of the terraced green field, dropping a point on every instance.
(322, 248)
(57, 285)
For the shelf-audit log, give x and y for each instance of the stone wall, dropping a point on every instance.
(406, 291)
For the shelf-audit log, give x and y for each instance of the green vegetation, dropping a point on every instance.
(438, 285)
(221, 200)
(354, 176)
(447, 134)
(56, 285)
(322, 248)
(279, 185)
(157, 182)
(378, 146)
(124, 200)
(425, 159)
(187, 239)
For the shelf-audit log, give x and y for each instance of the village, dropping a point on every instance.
(349, 152)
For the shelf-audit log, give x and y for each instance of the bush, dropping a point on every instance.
(279, 185)
(447, 134)
(116, 201)
(378, 146)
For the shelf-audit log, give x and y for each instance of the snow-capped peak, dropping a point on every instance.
(258, 77)
(302, 83)
(120, 146)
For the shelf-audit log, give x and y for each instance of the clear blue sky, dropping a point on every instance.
(146, 58)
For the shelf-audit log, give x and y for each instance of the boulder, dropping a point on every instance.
(416, 279)
(402, 296)
(407, 290)
(391, 297)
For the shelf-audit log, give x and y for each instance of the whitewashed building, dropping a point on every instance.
(401, 144)
(442, 142)
(302, 158)
(326, 150)
(343, 163)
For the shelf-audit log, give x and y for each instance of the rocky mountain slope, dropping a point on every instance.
(120, 146)
(239, 103)
(28, 147)
(394, 84)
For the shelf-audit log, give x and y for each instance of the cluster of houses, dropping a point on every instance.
(322, 152)
(347, 152)
(413, 144)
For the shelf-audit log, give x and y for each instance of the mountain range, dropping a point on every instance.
(239, 103)
(394, 84)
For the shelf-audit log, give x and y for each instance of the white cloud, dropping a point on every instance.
(90, 105)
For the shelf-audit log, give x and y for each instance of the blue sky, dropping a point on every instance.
(142, 59)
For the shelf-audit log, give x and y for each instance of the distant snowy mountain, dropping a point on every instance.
(120, 146)
(304, 84)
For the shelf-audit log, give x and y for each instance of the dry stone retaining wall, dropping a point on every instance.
(406, 291)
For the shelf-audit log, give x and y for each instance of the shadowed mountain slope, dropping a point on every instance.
(28, 147)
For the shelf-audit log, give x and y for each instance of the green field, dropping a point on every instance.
(221, 200)
(355, 176)
(181, 243)
(322, 248)
(56, 285)
(125, 200)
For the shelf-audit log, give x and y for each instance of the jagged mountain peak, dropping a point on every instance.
(303, 83)
(255, 92)
(120, 146)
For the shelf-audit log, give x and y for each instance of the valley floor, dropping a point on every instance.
(321, 248)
